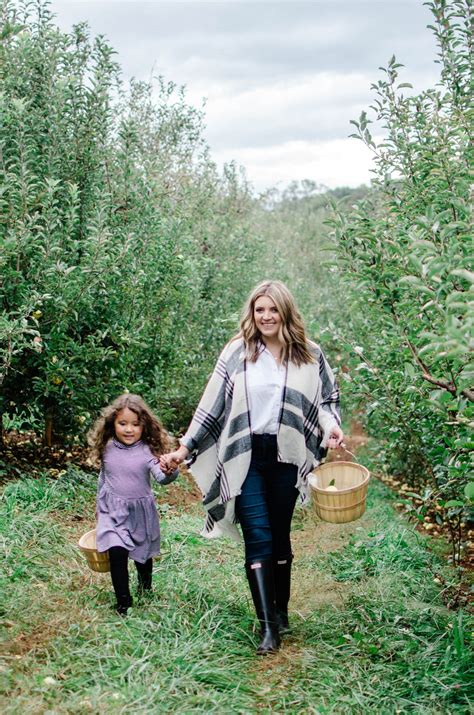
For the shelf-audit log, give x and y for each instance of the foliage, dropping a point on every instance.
(117, 232)
(292, 224)
(120, 239)
(405, 254)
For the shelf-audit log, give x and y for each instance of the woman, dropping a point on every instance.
(265, 420)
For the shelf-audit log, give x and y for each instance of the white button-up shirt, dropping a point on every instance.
(265, 381)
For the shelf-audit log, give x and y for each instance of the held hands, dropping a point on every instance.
(168, 469)
(336, 437)
(169, 462)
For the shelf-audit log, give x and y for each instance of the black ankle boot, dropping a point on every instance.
(262, 588)
(144, 584)
(144, 572)
(124, 602)
(282, 570)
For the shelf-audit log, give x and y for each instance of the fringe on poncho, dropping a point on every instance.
(220, 437)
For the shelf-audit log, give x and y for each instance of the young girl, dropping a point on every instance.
(127, 440)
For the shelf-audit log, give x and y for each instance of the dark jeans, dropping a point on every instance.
(267, 501)
(119, 570)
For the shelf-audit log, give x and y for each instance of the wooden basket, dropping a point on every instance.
(97, 561)
(348, 503)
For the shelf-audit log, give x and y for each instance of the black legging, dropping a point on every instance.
(119, 570)
(267, 501)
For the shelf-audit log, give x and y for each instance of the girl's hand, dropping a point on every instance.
(169, 461)
(170, 468)
(336, 437)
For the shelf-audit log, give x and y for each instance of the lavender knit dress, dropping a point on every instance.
(127, 514)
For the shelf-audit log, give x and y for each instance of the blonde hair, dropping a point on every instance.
(292, 332)
(154, 434)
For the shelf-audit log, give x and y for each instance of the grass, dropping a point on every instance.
(371, 633)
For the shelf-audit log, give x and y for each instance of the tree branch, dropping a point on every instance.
(449, 386)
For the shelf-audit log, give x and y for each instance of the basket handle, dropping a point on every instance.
(348, 450)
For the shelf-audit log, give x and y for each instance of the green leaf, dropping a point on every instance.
(469, 491)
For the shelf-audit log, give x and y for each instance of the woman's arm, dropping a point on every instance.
(329, 413)
(208, 420)
(336, 437)
(171, 459)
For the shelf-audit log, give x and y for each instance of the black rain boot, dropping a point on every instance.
(124, 602)
(282, 592)
(144, 576)
(262, 588)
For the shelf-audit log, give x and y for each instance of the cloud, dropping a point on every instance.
(340, 162)
(317, 107)
(279, 78)
(250, 41)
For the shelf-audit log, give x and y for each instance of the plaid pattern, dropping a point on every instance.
(220, 434)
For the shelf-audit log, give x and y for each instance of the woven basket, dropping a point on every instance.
(95, 560)
(348, 503)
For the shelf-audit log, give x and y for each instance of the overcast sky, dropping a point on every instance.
(281, 79)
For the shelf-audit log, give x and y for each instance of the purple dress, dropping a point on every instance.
(126, 509)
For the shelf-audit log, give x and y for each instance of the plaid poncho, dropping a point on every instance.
(220, 433)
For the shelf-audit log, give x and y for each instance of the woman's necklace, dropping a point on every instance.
(276, 352)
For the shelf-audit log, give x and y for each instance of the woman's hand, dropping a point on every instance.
(336, 436)
(168, 468)
(169, 461)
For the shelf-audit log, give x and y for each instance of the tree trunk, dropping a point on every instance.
(48, 428)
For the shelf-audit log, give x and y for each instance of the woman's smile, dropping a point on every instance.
(266, 316)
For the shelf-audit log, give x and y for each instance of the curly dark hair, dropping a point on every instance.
(154, 434)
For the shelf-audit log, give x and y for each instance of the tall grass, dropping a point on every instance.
(390, 646)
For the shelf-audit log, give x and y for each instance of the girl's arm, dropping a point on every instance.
(100, 480)
(162, 477)
(100, 483)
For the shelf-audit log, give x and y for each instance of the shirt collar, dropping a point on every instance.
(121, 445)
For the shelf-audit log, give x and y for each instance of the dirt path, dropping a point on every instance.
(313, 589)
